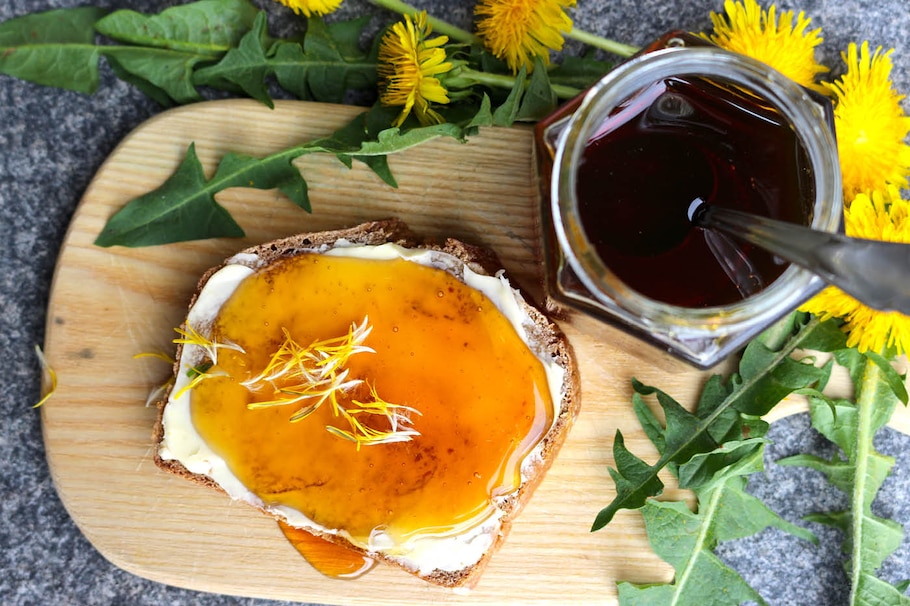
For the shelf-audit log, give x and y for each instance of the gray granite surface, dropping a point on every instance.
(53, 141)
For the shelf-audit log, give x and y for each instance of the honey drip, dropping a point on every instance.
(328, 558)
(441, 348)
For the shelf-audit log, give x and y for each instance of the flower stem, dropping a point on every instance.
(611, 46)
(461, 35)
(439, 26)
(504, 81)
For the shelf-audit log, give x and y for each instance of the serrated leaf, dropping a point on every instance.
(62, 26)
(827, 336)
(273, 172)
(688, 435)
(632, 594)
(380, 166)
(683, 539)
(168, 214)
(394, 139)
(686, 540)
(733, 457)
(244, 67)
(838, 519)
(539, 100)
(752, 426)
(368, 138)
(769, 377)
(881, 537)
(838, 471)
(324, 67)
(713, 394)
(327, 65)
(204, 28)
(852, 426)
(167, 71)
(344, 36)
(853, 361)
(740, 514)
(184, 207)
(872, 591)
(579, 72)
(169, 46)
(482, 117)
(685, 433)
(635, 482)
(507, 112)
(729, 424)
(775, 336)
(893, 382)
(530, 98)
(53, 48)
(649, 422)
(836, 420)
(351, 137)
(685, 438)
(148, 89)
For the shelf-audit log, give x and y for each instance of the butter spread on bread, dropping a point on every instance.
(488, 385)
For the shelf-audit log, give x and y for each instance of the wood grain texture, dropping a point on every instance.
(109, 304)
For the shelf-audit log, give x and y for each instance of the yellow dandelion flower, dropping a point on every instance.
(870, 123)
(409, 65)
(309, 8)
(48, 378)
(517, 31)
(789, 49)
(881, 216)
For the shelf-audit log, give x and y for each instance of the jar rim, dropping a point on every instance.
(808, 121)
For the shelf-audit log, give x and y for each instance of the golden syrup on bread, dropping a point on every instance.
(330, 559)
(441, 348)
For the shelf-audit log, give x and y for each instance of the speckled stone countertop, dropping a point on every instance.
(53, 141)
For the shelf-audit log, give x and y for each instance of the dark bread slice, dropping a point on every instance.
(546, 337)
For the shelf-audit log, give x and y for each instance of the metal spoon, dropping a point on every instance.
(873, 272)
(736, 264)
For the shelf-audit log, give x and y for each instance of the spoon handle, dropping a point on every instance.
(874, 272)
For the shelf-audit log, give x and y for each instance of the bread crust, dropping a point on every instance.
(545, 334)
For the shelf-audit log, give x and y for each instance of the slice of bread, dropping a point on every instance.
(468, 264)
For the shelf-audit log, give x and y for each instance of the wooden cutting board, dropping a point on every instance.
(109, 304)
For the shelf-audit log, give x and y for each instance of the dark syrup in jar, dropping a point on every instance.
(676, 140)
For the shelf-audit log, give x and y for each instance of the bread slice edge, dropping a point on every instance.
(545, 335)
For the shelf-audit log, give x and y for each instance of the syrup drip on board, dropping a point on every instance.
(677, 140)
(330, 559)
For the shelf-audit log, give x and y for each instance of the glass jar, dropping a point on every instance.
(582, 269)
